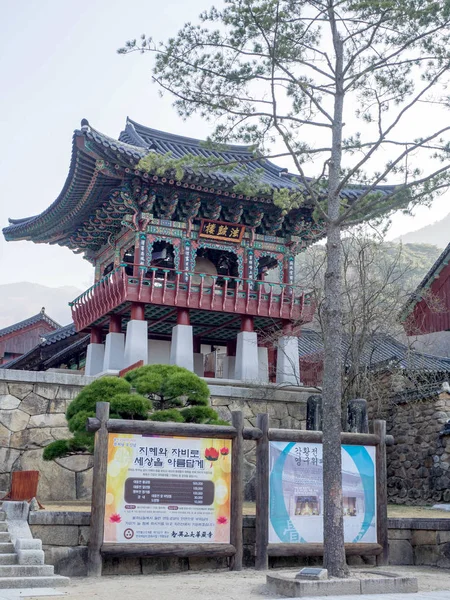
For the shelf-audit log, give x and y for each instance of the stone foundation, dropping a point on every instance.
(32, 414)
(65, 536)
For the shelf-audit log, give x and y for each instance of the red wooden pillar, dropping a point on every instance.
(137, 311)
(115, 324)
(247, 323)
(183, 316)
(96, 335)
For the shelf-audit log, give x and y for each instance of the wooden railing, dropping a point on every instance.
(185, 289)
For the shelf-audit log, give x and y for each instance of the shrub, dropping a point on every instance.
(169, 386)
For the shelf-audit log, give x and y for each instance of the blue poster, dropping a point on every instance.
(296, 493)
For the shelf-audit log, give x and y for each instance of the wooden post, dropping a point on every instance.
(98, 492)
(237, 490)
(379, 429)
(262, 493)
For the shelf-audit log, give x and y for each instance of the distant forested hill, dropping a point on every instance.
(437, 234)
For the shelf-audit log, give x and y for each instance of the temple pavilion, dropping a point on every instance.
(180, 264)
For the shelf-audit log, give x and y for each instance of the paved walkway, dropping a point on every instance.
(434, 584)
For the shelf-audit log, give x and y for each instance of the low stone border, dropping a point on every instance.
(386, 583)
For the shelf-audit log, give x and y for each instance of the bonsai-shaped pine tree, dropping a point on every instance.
(123, 405)
(164, 393)
(176, 394)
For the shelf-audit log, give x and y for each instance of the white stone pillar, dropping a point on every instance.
(246, 362)
(263, 363)
(136, 342)
(94, 359)
(199, 364)
(182, 347)
(228, 367)
(114, 352)
(288, 362)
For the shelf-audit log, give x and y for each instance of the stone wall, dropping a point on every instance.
(286, 408)
(32, 414)
(65, 536)
(419, 462)
(419, 542)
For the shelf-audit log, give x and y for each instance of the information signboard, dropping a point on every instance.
(296, 493)
(174, 490)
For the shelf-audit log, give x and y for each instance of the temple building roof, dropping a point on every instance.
(41, 316)
(90, 206)
(427, 308)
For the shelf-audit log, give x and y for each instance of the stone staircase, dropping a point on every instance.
(22, 562)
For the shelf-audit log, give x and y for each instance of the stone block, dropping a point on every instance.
(34, 404)
(257, 408)
(389, 585)
(30, 557)
(80, 462)
(68, 392)
(58, 405)
(27, 544)
(60, 433)
(20, 390)
(14, 420)
(8, 457)
(8, 402)
(297, 410)
(400, 552)
(164, 565)
(443, 537)
(32, 438)
(277, 410)
(3, 387)
(55, 482)
(5, 436)
(201, 563)
(423, 538)
(48, 391)
(83, 536)
(113, 565)
(241, 406)
(68, 561)
(399, 534)
(426, 555)
(56, 535)
(288, 586)
(59, 518)
(46, 420)
(84, 485)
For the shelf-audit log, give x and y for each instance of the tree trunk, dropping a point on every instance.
(333, 520)
(333, 523)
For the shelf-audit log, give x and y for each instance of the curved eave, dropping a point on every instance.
(87, 179)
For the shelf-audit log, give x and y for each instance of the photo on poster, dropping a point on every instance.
(296, 493)
(173, 490)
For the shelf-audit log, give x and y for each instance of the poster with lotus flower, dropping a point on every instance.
(167, 490)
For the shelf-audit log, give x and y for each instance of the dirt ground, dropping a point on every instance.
(395, 511)
(210, 585)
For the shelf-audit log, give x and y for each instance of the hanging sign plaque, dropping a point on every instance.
(219, 230)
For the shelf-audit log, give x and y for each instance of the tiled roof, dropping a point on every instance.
(88, 183)
(440, 263)
(60, 334)
(178, 146)
(379, 350)
(41, 316)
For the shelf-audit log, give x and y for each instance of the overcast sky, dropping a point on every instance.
(59, 65)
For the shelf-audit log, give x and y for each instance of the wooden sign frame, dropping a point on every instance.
(263, 548)
(103, 425)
